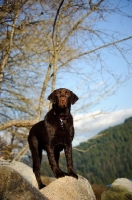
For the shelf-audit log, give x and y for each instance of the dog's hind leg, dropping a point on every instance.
(36, 156)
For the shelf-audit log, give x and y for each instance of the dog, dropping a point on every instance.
(54, 134)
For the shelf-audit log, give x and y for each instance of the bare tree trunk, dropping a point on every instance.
(41, 100)
(55, 56)
(54, 71)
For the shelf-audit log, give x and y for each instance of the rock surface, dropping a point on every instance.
(121, 189)
(123, 182)
(21, 168)
(17, 180)
(69, 188)
(25, 171)
(13, 186)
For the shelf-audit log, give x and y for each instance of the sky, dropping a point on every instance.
(109, 112)
(114, 108)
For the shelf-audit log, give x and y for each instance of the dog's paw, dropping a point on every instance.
(60, 174)
(73, 174)
(41, 185)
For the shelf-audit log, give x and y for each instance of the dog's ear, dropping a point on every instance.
(51, 97)
(74, 97)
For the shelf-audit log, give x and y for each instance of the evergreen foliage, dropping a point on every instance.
(104, 158)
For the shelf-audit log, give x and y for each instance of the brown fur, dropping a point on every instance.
(53, 134)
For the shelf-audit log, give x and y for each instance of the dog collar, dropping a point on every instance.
(62, 117)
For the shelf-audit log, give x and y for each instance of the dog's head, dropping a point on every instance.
(62, 97)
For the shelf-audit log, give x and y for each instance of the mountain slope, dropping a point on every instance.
(104, 158)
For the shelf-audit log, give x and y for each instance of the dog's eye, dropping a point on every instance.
(67, 93)
(58, 92)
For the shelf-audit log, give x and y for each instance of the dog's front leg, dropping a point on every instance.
(52, 161)
(68, 154)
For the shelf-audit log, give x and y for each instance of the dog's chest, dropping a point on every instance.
(60, 131)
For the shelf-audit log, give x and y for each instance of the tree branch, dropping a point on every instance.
(31, 122)
(77, 23)
(7, 54)
(18, 123)
(94, 50)
(57, 13)
(41, 99)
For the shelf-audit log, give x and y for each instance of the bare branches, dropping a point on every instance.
(29, 123)
(94, 6)
(22, 152)
(18, 123)
(73, 29)
(96, 49)
(84, 151)
(9, 48)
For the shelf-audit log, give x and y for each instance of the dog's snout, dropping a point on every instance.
(62, 97)
(62, 100)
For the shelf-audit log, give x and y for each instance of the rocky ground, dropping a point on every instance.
(17, 181)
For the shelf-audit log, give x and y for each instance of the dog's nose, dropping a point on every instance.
(63, 96)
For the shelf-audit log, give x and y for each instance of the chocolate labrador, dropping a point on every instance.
(53, 134)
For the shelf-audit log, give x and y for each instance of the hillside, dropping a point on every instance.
(104, 158)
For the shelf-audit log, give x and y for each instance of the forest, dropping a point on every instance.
(103, 158)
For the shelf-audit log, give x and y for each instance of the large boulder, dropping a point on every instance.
(16, 182)
(25, 171)
(121, 189)
(69, 188)
(126, 183)
(21, 168)
(13, 186)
